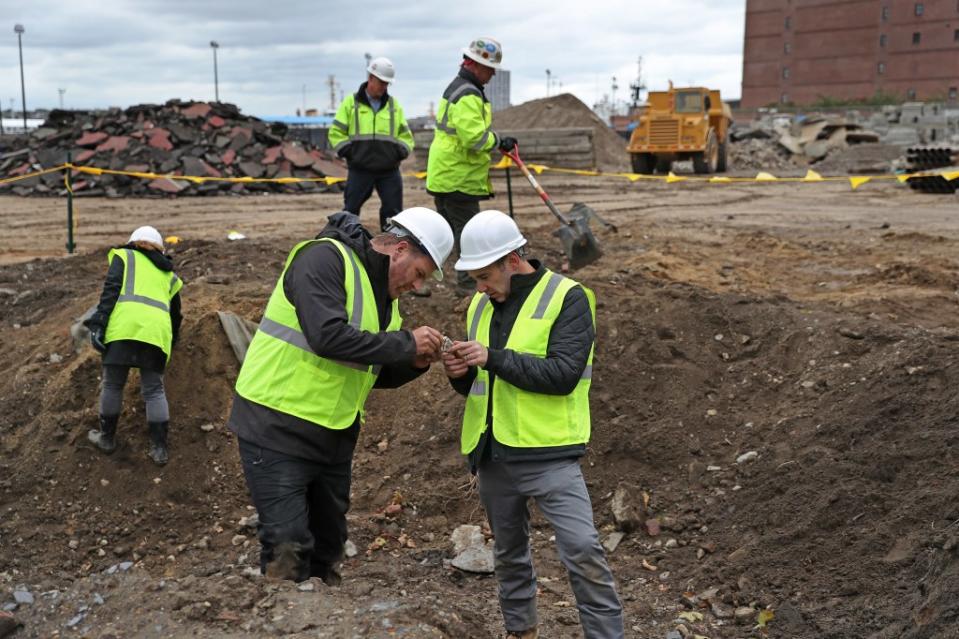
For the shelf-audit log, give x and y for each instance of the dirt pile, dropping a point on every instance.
(759, 154)
(178, 138)
(795, 457)
(567, 111)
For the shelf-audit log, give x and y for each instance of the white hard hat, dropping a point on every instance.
(382, 68)
(488, 236)
(429, 229)
(486, 51)
(147, 234)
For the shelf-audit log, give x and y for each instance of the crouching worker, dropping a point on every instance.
(526, 372)
(136, 325)
(331, 331)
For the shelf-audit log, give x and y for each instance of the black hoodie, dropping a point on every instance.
(129, 352)
(314, 285)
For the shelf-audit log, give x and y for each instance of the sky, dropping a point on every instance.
(276, 57)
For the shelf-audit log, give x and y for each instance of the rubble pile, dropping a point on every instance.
(177, 138)
(759, 154)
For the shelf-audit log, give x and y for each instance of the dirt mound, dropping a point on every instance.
(177, 138)
(567, 111)
(861, 159)
(794, 458)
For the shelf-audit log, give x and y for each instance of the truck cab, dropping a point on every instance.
(689, 123)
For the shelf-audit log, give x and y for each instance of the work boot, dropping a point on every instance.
(158, 449)
(106, 437)
(532, 633)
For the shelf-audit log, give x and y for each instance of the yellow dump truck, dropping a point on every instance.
(681, 124)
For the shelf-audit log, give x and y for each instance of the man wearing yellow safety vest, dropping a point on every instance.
(457, 174)
(525, 370)
(370, 131)
(331, 331)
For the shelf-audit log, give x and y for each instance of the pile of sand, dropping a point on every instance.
(566, 111)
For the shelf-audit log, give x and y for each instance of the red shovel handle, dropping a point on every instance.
(514, 156)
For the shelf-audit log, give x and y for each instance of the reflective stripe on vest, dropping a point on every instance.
(142, 311)
(521, 418)
(281, 370)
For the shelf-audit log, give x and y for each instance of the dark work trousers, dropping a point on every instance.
(359, 188)
(302, 509)
(458, 210)
(151, 387)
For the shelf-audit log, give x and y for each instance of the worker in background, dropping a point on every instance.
(457, 175)
(331, 331)
(526, 371)
(135, 325)
(371, 133)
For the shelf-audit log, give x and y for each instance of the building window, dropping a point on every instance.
(885, 13)
(882, 41)
(784, 98)
(881, 68)
(911, 94)
(785, 73)
(787, 23)
(919, 8)
(953, 93)
(787, 48)
(916, 37)
(955, 35)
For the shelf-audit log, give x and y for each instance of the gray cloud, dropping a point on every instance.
(122, 52)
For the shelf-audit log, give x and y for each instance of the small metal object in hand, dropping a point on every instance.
(447, 344)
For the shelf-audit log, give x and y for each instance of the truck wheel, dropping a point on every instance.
(723, 163)
(643, 162)
(708, 160)
(663, 166)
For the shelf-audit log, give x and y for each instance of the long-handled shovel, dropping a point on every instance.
(579, 244)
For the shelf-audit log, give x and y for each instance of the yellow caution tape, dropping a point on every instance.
(855, 181)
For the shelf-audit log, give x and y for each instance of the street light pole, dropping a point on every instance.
(18, 29)
(216, 78)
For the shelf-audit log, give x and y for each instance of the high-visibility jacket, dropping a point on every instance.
(459, 157)
(142, 311)
(372, 141)
(521, 418)
(282, 372)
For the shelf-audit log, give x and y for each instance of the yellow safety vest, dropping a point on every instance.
(521, 418)
(282, 372)
(142, 312)
(459, 158)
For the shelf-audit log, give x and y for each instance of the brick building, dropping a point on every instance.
(798, 51)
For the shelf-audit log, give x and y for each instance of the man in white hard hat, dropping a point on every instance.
(457, 175)
(525, 371)
(371, 133)
(330, 333)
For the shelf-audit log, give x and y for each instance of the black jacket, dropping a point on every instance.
(375, 156)
(567, 353)
(127, 352)
(314, 285)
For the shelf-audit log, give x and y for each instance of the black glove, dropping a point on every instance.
(97, 334)
(507, 144)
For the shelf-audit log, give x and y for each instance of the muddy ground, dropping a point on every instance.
(812, 325)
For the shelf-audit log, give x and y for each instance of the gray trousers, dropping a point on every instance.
(560, 493)
(458, 210)
(151, 387)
